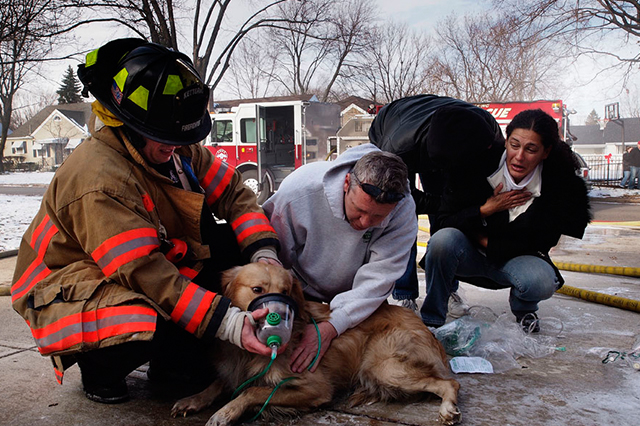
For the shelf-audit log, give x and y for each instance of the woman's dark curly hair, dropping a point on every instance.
(546, 127)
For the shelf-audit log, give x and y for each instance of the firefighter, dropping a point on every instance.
(120, 265)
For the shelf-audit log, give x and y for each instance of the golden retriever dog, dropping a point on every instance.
(389, 356)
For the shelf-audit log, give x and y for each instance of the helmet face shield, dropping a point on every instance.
(155, 91)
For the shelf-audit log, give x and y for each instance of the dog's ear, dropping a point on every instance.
(298, 296)
(227, 278)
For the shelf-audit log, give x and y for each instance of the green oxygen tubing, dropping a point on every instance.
(274, 354)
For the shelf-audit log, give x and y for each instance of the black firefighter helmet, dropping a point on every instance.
(153, 90)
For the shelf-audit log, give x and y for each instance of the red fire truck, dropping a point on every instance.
(267, 140)
(504, 112)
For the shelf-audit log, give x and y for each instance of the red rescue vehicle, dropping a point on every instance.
(267, 140)
(504, 112)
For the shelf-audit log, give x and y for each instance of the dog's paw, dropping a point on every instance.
(186, 406)
(220, 418)
(449, 415)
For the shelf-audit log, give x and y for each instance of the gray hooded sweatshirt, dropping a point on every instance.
(352, 270)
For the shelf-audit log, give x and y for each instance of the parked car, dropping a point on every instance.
(583, 172)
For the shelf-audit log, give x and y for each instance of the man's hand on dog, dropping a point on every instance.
(249, 340)
(304, 353)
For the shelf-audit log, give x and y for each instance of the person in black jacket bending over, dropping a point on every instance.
(438, 138)
(497, 232)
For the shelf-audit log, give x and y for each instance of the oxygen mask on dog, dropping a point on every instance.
(275, 329)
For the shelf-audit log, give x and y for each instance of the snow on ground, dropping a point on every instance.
(17, 211)
(604, 192)
(26, 178)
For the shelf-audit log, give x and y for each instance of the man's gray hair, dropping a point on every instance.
(382, 169)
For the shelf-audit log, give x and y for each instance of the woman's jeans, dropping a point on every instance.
(625, 178)
(451, 256)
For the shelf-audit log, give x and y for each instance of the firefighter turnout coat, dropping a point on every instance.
(90, 272)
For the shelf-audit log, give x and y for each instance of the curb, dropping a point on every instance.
(8, 253)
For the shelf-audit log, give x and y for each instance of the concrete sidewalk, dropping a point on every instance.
(570, 386)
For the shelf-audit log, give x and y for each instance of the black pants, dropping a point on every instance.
(174, 353)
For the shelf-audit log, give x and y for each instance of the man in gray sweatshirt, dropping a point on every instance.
(346, 228)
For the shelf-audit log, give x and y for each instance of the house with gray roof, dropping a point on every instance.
(50, 136)
(613, 138)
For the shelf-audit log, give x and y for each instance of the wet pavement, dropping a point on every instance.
(569, 386)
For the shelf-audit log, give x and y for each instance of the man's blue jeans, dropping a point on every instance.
(635, 173)
(451, 256)
(625, 178)
(407, 285)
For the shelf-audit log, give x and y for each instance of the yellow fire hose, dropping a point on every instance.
(603, 299)
(599, 269)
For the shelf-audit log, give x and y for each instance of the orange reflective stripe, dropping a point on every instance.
(59, 375)
(42, 236)
(94, 326)
(38, 270)
(216, 180)
(125, 247)
(249, 224)
(187, 272)
(192, 307)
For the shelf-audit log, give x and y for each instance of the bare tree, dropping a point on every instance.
(630, 101)
(485, 59)
(251, 70)
(585, 27)
(352, 25)
(301, 49)
(200, 22)
(29, 29)
(30, 105)
(395, 65)
(317, 51)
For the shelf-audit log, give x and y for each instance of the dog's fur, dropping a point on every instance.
(388, 356)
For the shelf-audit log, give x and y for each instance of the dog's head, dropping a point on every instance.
(242, 284)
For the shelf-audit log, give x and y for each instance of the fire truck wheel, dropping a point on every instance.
(250, 179)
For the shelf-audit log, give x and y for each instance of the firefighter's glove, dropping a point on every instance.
(231, 327)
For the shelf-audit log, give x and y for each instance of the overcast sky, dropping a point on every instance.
(584, 90)
(425, 14)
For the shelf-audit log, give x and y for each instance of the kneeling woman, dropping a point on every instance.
(497, 233)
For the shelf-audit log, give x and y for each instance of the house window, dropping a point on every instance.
(358, 125)
(18, 148)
